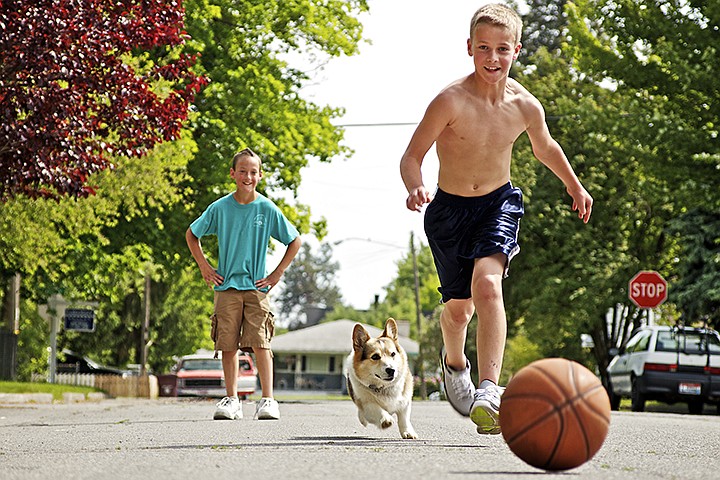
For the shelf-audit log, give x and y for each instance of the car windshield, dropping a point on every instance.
(688, 342)
(202, 364)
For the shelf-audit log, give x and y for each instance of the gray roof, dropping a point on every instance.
(331, 337)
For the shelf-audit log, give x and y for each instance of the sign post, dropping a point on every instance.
(647, 289)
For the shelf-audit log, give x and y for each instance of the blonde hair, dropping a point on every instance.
(499, 15)
(246, 152)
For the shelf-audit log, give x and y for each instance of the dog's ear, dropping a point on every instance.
(360, 338)
(391, 329)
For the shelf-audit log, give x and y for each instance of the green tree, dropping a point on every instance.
(696, 290)
(543, 26)
(100, 248)
(664, 51)
(309, 282)
(254, 98)
(661, 56)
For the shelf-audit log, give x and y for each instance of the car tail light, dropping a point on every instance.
(712, 370)
(661, 367)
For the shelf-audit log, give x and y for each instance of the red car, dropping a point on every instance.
(201, 375)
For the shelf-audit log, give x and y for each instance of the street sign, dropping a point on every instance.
(647, 289)
(79, 319)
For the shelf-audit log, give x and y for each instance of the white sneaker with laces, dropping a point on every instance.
(267, 409)
(485, 411)
(459, 388)
(229, 408)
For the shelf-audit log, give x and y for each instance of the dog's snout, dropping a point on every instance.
(390, 371)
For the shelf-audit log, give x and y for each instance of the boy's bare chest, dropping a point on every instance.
(477, 126)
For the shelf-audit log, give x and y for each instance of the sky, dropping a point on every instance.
(418, 47)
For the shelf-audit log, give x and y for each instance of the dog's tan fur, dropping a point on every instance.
(379, 379)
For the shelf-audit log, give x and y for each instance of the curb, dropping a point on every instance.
(47, 398)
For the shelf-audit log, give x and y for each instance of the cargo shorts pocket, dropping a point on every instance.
(213, 328)
(269, 326)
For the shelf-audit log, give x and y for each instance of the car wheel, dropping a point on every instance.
(695, 407)
(637, 399)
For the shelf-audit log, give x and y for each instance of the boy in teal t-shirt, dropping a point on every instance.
(243, 221)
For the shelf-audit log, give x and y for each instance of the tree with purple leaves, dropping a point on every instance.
(83, 82)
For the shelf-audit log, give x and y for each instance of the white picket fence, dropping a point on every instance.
(145, 386)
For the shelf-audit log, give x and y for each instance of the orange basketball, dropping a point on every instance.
(555, 414)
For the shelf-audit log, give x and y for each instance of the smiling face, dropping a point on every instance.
(246, 173)
(493, 49)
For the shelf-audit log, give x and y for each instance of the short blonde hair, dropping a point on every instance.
(246, 152)
(499, 15)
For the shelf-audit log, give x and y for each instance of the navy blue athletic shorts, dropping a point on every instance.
(461, 229)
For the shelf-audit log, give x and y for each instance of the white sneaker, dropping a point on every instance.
(459, 388)
(267, 409)
(229, 408)
(485, 411)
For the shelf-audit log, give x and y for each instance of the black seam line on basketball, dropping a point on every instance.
(576, 387)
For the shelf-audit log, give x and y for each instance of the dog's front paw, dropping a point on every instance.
(409, 434)
(387, 421)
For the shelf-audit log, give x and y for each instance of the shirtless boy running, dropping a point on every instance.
(472, 222)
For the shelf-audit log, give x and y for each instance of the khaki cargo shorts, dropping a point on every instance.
(242, 320)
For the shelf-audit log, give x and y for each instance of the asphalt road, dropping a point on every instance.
(169, 438)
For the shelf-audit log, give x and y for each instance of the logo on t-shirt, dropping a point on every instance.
(259, 220)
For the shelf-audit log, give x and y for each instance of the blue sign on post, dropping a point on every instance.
(79, 320)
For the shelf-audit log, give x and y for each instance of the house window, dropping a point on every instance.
(303, 364)
(331, 366)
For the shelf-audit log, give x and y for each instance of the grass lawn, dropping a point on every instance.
(56, 390)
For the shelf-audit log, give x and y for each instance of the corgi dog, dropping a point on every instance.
(379, 380)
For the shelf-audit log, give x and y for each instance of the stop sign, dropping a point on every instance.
(647, 289)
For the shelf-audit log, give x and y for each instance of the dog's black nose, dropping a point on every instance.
(390, 371)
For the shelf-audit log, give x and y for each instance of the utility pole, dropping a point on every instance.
(418, 318)
(145, 335)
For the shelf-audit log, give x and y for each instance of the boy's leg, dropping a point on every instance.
(459, 388)
(267, 408)
(265, 370)
(229, 408)
(226, 334)
(454, 320)
(491, 335)
(492, 324)
(230, 370)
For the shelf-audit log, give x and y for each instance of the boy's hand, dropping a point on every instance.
(417, 198)
(268, 282)
(211, 277)
(582, 202)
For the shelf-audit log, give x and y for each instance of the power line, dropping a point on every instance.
(388, 124)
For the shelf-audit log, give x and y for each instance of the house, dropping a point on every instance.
(314, 358)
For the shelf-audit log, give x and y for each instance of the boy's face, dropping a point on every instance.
(493, 49)
(247, 173)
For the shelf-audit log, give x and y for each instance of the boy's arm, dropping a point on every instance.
(273, 279)
(211, 277)
(549, 152)
(428, 130)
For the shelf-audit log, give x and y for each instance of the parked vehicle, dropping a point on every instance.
(667, 364)
(71, 362)
(201, 375)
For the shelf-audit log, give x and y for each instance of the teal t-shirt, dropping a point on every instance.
(243, 233)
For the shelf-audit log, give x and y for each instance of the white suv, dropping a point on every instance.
(669, 364)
